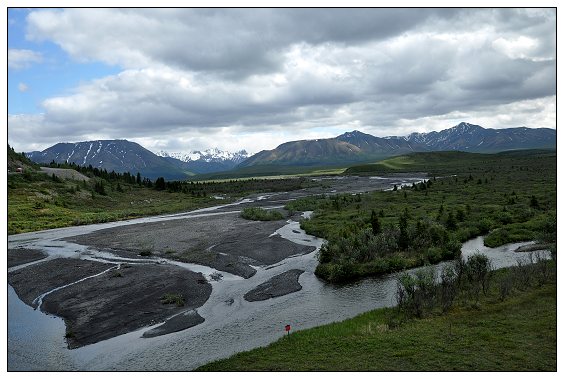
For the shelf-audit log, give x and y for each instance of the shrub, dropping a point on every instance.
(324, 254)
(448, 289)
(485, 225)
(433, 255)
(173, 298)
(337, 272)
(505, 286)
(478, 269)
(542, 268)
(260, 214)
(416, 293)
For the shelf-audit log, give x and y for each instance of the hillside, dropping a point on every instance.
(112, 155)
(474, 138)
(16, 160)
(440, 162)
(356, 146)
(349, 147)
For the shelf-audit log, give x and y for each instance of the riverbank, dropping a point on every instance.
(505, 198)
(231, 324)
(518, 334)
(103, 300)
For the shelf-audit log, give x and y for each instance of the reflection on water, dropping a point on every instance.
(35, 340)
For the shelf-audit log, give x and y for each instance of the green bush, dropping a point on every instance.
(434, 255)
(173, 298)
(485, 225)
(260, 214)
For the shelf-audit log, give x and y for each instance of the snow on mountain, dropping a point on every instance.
(209, 155)
(111, 155)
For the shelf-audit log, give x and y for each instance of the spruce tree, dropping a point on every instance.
(375, 223)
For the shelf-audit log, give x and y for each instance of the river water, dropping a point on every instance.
(36, 340)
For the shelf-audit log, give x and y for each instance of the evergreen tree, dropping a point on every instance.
(451, 221)
(375, 223)
(403, 238)
(99, 188)
(440, 214)
(160, 184)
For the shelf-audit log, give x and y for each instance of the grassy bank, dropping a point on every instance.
(37, 201)
(516, 334)
(511, 197)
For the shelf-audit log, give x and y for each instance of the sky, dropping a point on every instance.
(191, 79)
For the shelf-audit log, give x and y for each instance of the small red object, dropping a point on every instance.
(287, 328)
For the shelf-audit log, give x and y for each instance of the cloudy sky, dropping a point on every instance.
(190, 79)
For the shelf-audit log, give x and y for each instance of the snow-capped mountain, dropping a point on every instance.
(209, 155)
(356, 146)
(350, 147)
(207, 161)
(123, 155)
(474, 138)
(112, 155)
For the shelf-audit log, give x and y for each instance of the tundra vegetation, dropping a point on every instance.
(38, 201)
(474, 319)
(508, 197)
(261, 214)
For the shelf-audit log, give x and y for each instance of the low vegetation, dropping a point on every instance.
(261, 214)
(508, 197)
(470, 322)
(37, 201)
(173, 298)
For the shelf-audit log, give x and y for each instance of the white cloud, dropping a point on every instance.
(21, 58)
(521, 47)
(233, 79)
(22, 87)
(537, 113)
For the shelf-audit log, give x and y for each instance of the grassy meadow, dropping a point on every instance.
(37, 202)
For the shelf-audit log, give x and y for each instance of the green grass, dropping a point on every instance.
(275, 171)
(518, 334)
(261, 214)
(441, 162)
(38, 203)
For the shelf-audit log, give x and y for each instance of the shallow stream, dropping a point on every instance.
(36, 340)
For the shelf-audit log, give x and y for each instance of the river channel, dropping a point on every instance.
(232, 324)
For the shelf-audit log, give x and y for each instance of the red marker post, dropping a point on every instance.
(288, 329)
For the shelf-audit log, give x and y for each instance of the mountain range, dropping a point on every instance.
(207, 161)
(112, 155)
(350, 147)
(356, 146)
